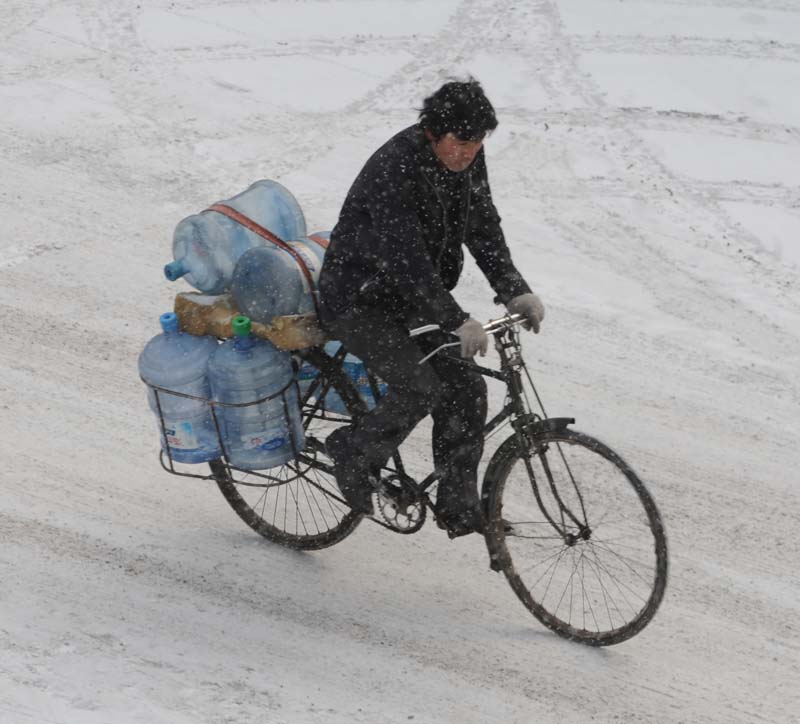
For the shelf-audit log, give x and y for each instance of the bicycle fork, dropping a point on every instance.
(524, 421)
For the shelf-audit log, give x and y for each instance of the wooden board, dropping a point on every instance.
(204, 314)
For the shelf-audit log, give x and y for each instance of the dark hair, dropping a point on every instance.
(460, 108)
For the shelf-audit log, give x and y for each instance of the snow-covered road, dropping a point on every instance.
(647, 167)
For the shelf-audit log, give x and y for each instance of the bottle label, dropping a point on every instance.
(181, 436)
(307, 372)
(266, 442)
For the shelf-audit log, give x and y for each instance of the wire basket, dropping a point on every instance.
(166, 456)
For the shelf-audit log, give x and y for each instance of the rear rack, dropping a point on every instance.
(165, 454)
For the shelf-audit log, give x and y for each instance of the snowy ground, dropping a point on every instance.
(647, 167)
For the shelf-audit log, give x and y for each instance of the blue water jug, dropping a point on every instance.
(268, 281)
(354, 368)
(179, 362)
(206, 246)
(245, 369)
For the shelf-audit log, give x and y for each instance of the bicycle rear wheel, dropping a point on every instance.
(577, 535)
(298, 504)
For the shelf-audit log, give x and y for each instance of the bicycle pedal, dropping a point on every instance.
(456, 531)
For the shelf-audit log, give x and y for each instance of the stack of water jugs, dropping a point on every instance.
(251, 377)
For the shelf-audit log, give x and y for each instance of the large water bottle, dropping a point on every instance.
(245, 369)
(354, 368)
(179, 362)
(206, 246)
(268, 281)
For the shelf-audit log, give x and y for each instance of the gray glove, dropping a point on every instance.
(473, 338)
(531, 307)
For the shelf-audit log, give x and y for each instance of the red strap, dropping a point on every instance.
(321, 240)
(248, 223)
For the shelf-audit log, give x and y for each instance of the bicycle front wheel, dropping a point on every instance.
(577, 535)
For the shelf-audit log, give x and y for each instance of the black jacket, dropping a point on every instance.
(398, 242)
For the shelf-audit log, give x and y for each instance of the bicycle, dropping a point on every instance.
(568, 522)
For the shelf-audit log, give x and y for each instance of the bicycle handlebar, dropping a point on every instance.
(492, 326)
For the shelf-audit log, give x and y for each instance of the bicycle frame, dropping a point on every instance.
(524, 421)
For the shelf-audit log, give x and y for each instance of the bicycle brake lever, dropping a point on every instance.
(439, 349)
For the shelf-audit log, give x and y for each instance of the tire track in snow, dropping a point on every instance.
(675, 46)
(650, 172)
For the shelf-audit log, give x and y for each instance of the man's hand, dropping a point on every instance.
(531, 307)
(473, 338)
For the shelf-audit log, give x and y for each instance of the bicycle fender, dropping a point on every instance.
(511, 445)
(551, 424)
(548, 424)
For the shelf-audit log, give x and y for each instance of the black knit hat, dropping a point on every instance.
(460, 108)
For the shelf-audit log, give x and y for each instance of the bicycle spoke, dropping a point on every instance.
(309, 490)
(328, 498)
(568, 585)
(555, 567)
(616, 540)
(587, 599)
(625, 562)
(310, 507)
(298, 517)
(606, 595)
(560, 550)
(620, 585)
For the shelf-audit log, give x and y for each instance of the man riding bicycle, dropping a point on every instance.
(394, 257)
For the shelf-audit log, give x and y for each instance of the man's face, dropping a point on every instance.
(455, 154)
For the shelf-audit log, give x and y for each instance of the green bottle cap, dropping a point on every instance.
(241, 326)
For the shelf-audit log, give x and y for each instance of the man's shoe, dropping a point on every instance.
(355, 483)
(357, 488)
(460, 522)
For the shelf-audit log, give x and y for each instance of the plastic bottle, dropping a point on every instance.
(268, 281)
(354, 368)
(206, 246)
(178, 361)
(306, 374)
(245, 369)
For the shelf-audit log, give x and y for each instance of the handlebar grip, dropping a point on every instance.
(423, 330)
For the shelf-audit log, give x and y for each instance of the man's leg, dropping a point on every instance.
(414, 389)
(459, 419)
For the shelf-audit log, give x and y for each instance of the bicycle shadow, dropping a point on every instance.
(537, 634)
(247, 541)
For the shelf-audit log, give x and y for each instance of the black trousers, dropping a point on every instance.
(449, 391)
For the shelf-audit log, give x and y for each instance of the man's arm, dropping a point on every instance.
(486, 241)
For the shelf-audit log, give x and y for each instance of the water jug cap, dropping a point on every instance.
(241, 326)
(175, 270)
(169, 322)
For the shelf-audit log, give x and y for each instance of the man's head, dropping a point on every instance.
(456, 118)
